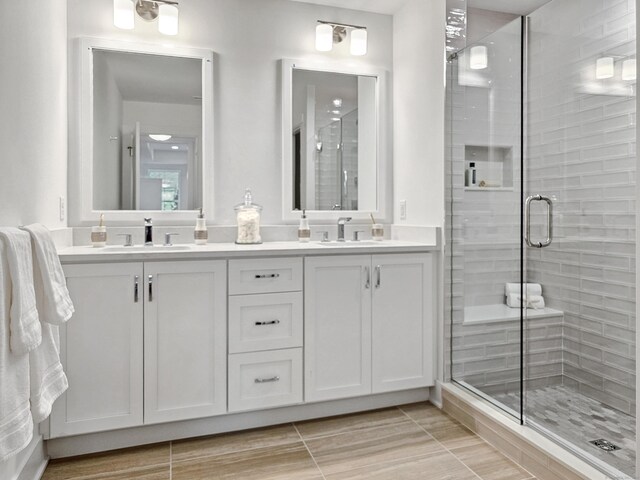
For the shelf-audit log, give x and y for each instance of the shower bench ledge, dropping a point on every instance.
(483, 314)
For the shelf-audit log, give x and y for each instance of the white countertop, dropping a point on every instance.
(113, 253)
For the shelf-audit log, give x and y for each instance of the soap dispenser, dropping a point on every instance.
(304, 232)
(201, 234)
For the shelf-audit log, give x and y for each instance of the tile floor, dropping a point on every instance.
(579, 419)
(410, 442)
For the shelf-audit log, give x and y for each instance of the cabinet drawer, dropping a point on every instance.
(265, 379)
(265, 275)
(265, 322)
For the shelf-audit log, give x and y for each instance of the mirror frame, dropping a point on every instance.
(383, 146)
(81, 135)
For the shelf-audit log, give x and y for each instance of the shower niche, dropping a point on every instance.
(493, 167)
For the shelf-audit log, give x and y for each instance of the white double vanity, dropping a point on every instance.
(181, 341)
(205, 332)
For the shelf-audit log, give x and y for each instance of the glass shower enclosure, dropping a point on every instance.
(541, 225)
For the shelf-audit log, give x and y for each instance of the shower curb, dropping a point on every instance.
(528, 448)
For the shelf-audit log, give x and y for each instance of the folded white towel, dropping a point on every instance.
(47, 378)
(527, 289)
(16, 424)
(56, 307)
(531, 301)
(25, 332)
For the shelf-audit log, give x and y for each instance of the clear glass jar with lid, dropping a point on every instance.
(248, 219)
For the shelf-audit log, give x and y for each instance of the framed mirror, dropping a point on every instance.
(334, 141)
(145, 131)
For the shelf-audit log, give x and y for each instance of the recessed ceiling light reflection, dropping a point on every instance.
(159, 137)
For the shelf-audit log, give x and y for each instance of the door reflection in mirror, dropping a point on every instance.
(147, 131)
(333, 138)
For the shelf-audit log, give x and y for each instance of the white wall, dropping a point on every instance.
(33, 112)
(418, 63)
(33, 127)
(248, 37)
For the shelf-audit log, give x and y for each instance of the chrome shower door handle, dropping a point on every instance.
(527, 221)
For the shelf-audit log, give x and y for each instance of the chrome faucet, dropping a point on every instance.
(148, 232)
(341, 223)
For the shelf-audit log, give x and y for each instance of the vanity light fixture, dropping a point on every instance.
(358, 45)
(604, 68)
(166, 11)
(629, 69)
(330, 33)
(159, 137)
(478, 57)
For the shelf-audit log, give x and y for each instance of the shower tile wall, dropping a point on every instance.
(350, 159)
(581, 151)
(327, 167)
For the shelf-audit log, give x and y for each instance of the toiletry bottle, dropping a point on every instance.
(99, 233)
(304, 232)
(200, 234)
(470, 175)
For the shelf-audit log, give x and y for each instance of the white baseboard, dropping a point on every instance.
(130, 437)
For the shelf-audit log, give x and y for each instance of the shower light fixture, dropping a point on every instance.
(629, 69)
(604, 68)
(330, 33)
(478, 57)
(166, 11)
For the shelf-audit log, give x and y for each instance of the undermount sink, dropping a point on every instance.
(142, 248)
(351, 243)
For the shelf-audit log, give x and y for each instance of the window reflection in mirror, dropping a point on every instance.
(147, 131)
(334, 141)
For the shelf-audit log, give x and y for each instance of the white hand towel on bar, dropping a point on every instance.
(25, 332)
(527, 289)
(16, 424)
(530, 301)
(47, 378)
(56, 307)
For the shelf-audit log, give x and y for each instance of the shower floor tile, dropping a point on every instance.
(580, 419)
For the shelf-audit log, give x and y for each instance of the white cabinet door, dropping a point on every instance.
(185, 340)
(101, 350)
(402, 322)
(337, 327)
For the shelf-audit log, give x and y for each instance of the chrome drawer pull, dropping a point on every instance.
(136, 286)
(268, 380)
(270, 322)
(268, 275)
(151, 288)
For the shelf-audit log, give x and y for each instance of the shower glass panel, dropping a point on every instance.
(580, 360)
(562, 359)
(337, 164)
(486, 191)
